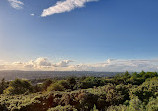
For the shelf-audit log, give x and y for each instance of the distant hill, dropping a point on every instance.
(13, 74)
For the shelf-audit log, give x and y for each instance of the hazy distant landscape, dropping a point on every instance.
(11, 75)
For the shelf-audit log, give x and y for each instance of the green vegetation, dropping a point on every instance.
(123, 92)
(18, 87)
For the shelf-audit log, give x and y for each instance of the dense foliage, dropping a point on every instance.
(123, 92)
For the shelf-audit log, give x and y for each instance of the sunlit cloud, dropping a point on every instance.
(17, 4)
(118, 65)
(63, 63)
(110, 65)
(42, 62)
(65, 6)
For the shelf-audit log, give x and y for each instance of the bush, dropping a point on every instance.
(55, 87)
(46, 84)
(3, 86)
(135, 105)
(152, 105)
(71, 82)
(117, 108)
(18, 87)
(90, 82)
(123, 92)
(62, 108)
(148, 89)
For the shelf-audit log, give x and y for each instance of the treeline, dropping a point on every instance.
(123, 92)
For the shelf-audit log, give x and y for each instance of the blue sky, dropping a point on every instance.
(101, 30)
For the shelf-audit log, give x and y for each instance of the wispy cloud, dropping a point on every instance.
(64, 6)
(16, 4)
(32, 14)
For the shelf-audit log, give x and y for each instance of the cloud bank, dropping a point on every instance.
(40, 63)
(110, 65)
(64, 6)
(118, 65)
(16, 4)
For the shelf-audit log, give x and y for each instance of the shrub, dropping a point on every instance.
(117, 108)
(135, 105)
(3, 86)
(55, 87)
(90, 82)
(62, 108)
(152, 105)
(46, 84)
(19, 87)
(148, 89)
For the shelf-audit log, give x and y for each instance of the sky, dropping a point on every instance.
(91, 35)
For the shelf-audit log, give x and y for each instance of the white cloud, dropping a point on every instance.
(17, 63)
(32, 14)
(29, 65)
(64, 6)
(38, 64)
(16, 4)
(63, 63)
(117, 65)
(112, 65)
(42, 62)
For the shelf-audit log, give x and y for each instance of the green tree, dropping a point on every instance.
(152, 105)
(18, 87)
(3, 86)
(71, 82)
(135, 105)
(46, 84)
(136, 79)
(90, 82)
(146, 90)
(55, 87)
(142, 73)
